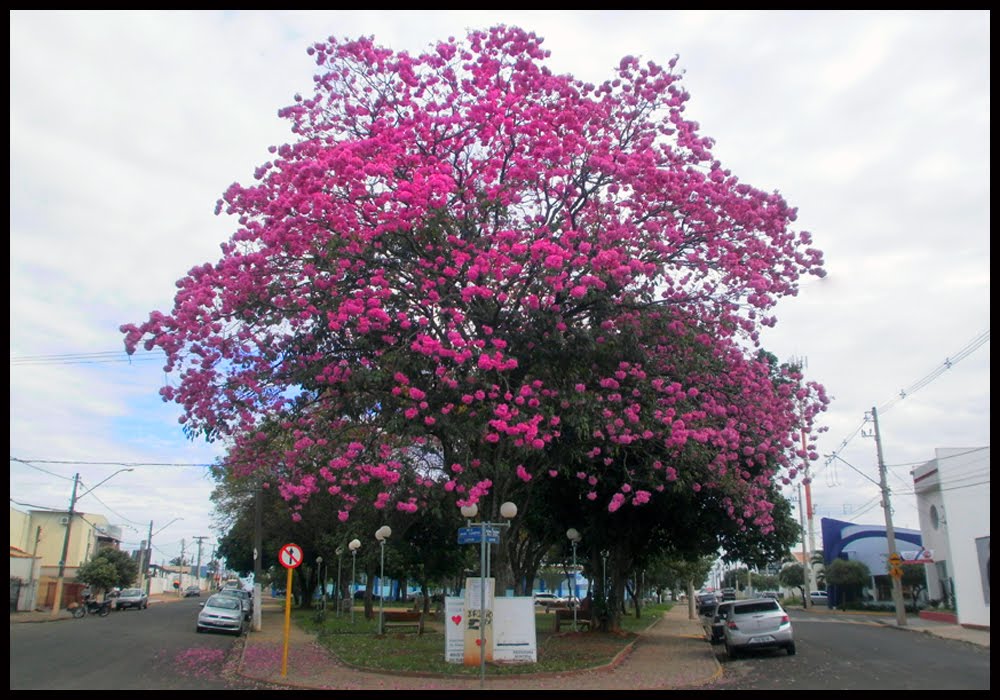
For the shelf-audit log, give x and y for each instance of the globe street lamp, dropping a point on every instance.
(574, 537)
(382, 534)
(340, 551)
(354, 546)
(508, 510)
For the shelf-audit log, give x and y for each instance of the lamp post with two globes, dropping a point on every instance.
(353, 546)
(382, 534)
(340, 590)
(508, 510)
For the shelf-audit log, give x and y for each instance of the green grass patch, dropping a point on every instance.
(357, 643)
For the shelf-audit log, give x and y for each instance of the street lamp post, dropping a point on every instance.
(354, 545)
(57, 600)
(340, 597)
(604, 579)
(508, 510)
(382, 534)
(574, 537)
(322, 583)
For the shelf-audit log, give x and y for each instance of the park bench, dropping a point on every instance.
(403, 619)
(564, 618)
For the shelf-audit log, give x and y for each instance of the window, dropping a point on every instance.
(758, 606)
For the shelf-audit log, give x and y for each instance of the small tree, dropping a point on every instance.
(794, 576)
(849, 577)
(915, 579)
(110, 568)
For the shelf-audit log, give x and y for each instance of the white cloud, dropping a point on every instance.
(126, 127)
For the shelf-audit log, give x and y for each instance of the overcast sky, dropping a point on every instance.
(126, 127)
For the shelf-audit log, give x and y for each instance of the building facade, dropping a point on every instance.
(953, 504)
(39, 536)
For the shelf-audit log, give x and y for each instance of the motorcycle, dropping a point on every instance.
(92, 607)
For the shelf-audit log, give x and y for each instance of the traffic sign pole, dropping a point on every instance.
(290, 557)
(288, 622)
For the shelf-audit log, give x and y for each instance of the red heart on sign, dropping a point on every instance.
(456, 619)
(479, 642)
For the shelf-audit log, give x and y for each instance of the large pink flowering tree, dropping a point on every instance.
(529, 277)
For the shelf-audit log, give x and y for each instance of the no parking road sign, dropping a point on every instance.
(290, 556)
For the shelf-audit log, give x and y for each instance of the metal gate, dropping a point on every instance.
(15, 592)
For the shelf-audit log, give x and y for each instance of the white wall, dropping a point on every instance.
(965, 489)
(957, 482)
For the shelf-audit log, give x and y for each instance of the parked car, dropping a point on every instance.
(706, 603)
(759, 623)
(714, 624)
(132, 598)
(818, 597)
(244, 596)
(192, 592)
(223, 613)
(549, 600)
(729, 594)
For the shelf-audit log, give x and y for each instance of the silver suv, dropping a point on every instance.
(760, 623)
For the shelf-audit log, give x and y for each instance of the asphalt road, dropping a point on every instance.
(156, 648)
(834, 653)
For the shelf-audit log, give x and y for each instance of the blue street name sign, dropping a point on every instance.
(474, 535)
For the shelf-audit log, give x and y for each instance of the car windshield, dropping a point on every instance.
(131, 593)
(226, 602)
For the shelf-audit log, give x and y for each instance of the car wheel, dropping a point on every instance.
(199, 629)
(791, 649)
(731, 651)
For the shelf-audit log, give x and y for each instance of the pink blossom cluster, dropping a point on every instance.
(464, 252)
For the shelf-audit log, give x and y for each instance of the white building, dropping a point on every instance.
(953, 503)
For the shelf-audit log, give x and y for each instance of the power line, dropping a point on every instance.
(85, 358)
(109, 463)
(948, 363)
(45, 471)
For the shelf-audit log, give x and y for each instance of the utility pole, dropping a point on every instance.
(257, 537)
(144, 561)
(32, 584)
(808, 531)
(806, 599)
(57, 601)
(890, 533)
(181, 575)
(197, 570)
(807, 481)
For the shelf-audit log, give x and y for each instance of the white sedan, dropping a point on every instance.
(549, 600)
